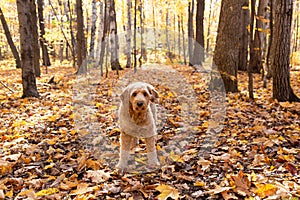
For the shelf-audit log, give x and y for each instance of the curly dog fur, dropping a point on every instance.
(137, 116)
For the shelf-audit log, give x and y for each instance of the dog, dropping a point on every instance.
(137, 117)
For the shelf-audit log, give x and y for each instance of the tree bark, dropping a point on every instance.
(10, 41)
(105, 33)
(93, 28)
(226, 51)
(81, 47)
(114, 39)
(100, 32)
(198, 56)
(26, 43)
(43, 42)
(258, 38)
(244, 40)
(282, 90)
(251, 62)
(128, 35)
(190, 31)
(35, 37)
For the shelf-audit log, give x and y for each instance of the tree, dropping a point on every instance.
(198, 56)
(190, 31)
(226, 51)
(9, 40)
(43, 42)
(81, 47)
(114, 39)
(251, 45)
(282, 90)
(93, 28)
(35, 37)
(26, 44)
(244, 39)
(259, 40)
(128, 34)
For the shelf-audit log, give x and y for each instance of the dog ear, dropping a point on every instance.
(153, 92)
(125, 94)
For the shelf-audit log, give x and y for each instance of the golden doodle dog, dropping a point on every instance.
(137, 116)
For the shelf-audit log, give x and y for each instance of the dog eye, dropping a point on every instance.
(134, 94)
(145, 94)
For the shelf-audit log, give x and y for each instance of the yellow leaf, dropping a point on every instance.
(265, 190)
(166, 192)
(199, 184)
(48, 191)
(175, 158)
(9, 194)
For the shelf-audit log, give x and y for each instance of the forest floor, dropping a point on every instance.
(44, 156)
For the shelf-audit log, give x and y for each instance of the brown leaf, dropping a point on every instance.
(242, 184)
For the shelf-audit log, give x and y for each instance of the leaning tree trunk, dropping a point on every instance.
(198, 56)
(26, 44)
(81, 48)
(226, 51)
(10, 41)
(35, 37)
(45, 55)
(282, 90)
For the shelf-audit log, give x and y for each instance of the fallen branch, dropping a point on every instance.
(7, 87)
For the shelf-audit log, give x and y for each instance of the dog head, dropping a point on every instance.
(138, 95)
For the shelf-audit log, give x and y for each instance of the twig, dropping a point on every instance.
(7, 87)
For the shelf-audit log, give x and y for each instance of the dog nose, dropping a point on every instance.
(139, 104)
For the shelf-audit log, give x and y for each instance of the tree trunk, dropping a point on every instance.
(154, 30)
(244, 40)
(128, 34)
(81, 47)
(270, 44)
(105, 34)
(167, 35)
(183, 41)
(226, 51)
(114, 39)
(140, 7)
(190, 31)
(45, 55)
(251, 62)
(282, 90)
(26, 43)
(258, 38)
(208, 30)
(100, 32)
(73, 47)
(134, 37)
(93, 28)
(35, 37)
(10, 41)
(198, 56)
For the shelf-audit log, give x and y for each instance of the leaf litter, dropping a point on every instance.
(256, 155)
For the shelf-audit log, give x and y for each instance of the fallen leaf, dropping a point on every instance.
(98, 176)
(166, 192)
(264, 190)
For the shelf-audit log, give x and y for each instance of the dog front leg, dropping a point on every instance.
(151, 151)
(125, 146)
